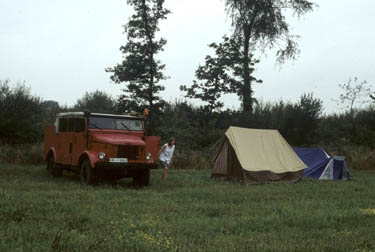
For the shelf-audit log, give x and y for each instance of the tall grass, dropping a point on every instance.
(33, 154)
(190, 159)
(357, 157)
(188, 213)
(22, 154)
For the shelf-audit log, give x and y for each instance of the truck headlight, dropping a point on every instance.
(148, 156)
(101, 155)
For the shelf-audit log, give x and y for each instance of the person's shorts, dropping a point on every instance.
(164, 164)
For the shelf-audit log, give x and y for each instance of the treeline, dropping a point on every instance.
(230, 69)
(196, 129)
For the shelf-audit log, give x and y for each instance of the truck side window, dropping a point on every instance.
(79, 125)
(71, 124)
(63, 125)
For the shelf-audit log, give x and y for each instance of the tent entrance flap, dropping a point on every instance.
(222, 161)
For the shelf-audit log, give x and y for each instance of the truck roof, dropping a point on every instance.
(81, 114)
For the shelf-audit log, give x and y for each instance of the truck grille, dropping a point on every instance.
(130, 152)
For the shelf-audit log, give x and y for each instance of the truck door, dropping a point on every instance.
(64, 145)
(78, 139)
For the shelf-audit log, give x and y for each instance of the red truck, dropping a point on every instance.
(100, 145)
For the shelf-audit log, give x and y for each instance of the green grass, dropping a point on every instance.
(188, 213)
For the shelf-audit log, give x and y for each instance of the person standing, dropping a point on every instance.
(166, 156)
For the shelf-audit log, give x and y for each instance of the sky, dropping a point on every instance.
(61, 48)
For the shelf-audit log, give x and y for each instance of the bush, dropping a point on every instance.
(196, 130)
(357, 157)
(21, 115)
(197, 160)
(97, 102)
(22, 154)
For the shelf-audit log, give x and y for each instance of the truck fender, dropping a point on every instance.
(91, 156)
(50, 152)
(152, 146)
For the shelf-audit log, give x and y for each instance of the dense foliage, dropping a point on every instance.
(21, 115)
(262, 25)
(140, 70)
(97, 101)
(197, 129)
(222, 74)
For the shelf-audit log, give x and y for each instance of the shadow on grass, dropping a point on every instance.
(125, 183)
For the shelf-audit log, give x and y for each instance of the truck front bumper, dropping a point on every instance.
(122, 169)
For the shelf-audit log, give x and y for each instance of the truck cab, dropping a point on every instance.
(100, 145)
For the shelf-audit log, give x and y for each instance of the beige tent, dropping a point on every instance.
(256, 156)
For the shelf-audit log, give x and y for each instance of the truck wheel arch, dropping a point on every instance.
(92, 157)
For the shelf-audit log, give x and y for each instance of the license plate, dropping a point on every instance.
(118, 160)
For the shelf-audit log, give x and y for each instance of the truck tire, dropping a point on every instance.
(87, 176)
(54, 169)
(142, 178)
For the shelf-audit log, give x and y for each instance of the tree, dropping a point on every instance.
(354, 95)
(297, 122)
(50, 105)
(21, 115)
(219, 75)
(307, 112)
(97, 101)
(213, 77)
(371, 94)
(262, 24)
(50, 109)
(140, 70)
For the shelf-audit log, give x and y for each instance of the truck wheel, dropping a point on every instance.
(142, 178)
(87, 176)
(54, 169)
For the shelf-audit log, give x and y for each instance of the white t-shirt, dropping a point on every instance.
(167, 153)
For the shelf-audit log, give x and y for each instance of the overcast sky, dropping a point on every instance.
(61, 48)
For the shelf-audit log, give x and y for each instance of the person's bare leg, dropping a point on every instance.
(165, 174)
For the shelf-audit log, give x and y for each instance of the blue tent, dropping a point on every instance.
(321, 166)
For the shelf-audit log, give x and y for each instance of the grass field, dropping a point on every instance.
(188, 213)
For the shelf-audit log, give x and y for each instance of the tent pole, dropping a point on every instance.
(229, 161)
(244, 176)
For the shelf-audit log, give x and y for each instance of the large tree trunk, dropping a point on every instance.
(151, 95)
(149, 36)
(246, 89)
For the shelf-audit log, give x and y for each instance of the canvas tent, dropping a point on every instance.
(256, 156)
(321, 165)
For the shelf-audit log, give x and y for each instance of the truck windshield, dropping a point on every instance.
(112, 123)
